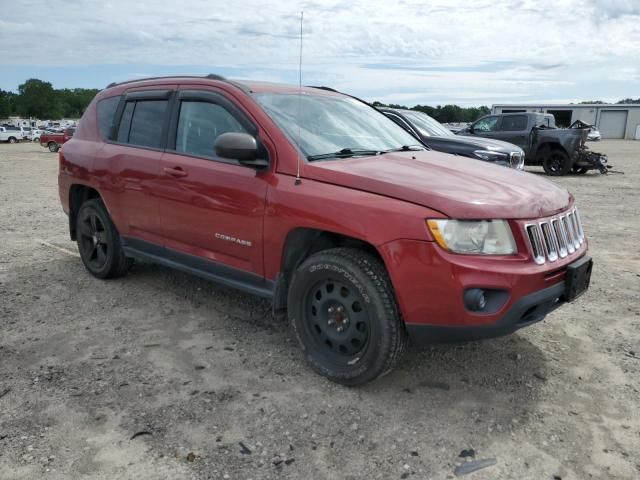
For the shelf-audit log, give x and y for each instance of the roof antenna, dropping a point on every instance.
(298, 179)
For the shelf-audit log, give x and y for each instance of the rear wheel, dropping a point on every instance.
(99, 241)
(343, 312)
(53, 147)
(556, 162)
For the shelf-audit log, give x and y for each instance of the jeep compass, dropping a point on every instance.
(359, 235)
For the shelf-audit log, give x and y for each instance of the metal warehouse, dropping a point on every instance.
(612, 120)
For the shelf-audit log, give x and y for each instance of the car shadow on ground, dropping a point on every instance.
(509, 371)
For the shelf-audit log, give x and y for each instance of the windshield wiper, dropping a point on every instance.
(405, 148)
(344, 153)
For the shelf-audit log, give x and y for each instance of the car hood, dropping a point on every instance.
(456, 186)
(490, 143)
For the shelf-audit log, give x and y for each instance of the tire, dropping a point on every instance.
(99, 242)
(12, 140)
(53, 147)
(343, 313)
(556, 162)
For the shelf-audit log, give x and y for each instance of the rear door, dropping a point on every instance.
(212, 208)
(129, 164)
(513, 129)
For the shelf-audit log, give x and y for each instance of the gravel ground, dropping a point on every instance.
(162, 375)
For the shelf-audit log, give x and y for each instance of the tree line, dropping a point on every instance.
(38, 99)
(447, 113)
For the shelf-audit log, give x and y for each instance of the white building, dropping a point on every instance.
(613, 120)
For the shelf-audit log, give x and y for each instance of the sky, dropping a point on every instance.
(434, 52)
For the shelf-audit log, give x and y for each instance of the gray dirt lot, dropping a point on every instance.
(86, 364)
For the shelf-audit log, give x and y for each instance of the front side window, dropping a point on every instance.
(199, 124)
(321, 124)
(142, 122)
(488, 124)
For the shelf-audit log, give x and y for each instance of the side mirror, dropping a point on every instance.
(240, 146)
(471, 129)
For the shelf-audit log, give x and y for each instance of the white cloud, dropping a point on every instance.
(435, 51)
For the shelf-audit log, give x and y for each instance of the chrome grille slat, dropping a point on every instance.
(535, 238)
(550, 242)
(555, 238)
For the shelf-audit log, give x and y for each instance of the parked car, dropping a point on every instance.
(594, 135)
(53, 140)
(35, 134)
(558, 150)
(437, 137)
(11, 136)
(322, 204)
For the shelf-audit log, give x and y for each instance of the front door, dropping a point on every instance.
(211, 208)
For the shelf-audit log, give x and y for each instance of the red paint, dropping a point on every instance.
(58, 138)
(182, 202)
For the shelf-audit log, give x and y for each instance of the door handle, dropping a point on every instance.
(175, 172)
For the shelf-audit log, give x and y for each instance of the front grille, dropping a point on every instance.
(516, 160)
(556, 237)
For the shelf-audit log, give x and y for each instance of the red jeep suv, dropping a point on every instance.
(359, 235)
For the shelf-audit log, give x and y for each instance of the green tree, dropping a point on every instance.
(37, 99)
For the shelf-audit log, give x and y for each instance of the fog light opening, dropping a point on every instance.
(475, 299)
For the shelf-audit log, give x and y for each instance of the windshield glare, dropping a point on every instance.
(427, 125)
(321, 124)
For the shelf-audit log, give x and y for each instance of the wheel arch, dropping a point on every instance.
(78, 194)
(300, 243)
(547, 147)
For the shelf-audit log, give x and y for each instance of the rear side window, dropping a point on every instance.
(142, 122)
(199, 124)
(512, 123)
(106, 112)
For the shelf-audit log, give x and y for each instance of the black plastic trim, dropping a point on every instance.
(529, 309)
(150, 94)
(223, 274)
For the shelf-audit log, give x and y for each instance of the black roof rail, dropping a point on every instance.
(210, 76)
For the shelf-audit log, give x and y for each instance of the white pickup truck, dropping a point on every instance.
(11, 136)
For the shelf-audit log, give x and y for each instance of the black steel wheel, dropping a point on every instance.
(343, 312)
(338, 324)
(99, 241)
(556, 162)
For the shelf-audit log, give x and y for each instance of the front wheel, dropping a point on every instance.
(556, 162)
(99, 241)
(12, 140)
(343, 313)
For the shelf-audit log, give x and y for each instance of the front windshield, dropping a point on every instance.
(321, 124)
(427, 125)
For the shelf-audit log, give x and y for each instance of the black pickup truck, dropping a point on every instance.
(558, 150)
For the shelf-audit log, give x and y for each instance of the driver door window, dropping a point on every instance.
(199, 124)
(486, 125)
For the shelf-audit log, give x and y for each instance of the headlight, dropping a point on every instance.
(491, 156)
(482, 237)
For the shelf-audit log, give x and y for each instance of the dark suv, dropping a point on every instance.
(438, 137)
(317, 201)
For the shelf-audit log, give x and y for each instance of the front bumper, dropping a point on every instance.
(528, 310)
(430, 286)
